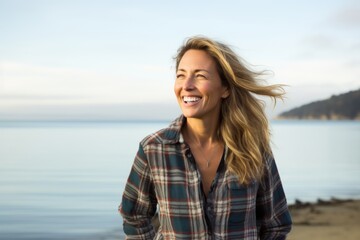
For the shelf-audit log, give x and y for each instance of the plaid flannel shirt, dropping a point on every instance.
(164, 175)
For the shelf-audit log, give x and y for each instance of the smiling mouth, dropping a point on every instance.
(191, 99)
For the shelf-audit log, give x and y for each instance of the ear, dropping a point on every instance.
(226, 93)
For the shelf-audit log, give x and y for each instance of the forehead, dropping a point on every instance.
(196, 59)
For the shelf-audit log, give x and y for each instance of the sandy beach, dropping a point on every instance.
(326, 220)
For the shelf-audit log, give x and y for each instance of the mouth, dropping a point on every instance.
(188, 99)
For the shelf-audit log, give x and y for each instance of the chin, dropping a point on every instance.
(187, 114)
(191, 115)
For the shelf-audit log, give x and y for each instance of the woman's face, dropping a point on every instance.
(198, 86)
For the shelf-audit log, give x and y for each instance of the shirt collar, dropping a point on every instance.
(173, 133)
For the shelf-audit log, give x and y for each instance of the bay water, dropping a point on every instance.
(64, 180)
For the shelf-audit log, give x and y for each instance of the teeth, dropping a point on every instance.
(191, 99)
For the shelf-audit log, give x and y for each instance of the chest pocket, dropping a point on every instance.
(242, 201)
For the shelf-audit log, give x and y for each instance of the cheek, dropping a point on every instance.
(176, 89)
(210, 89)
(204, 87)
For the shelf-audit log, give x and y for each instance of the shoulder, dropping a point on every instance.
(168, 135)
(269, 164)
(269, 159)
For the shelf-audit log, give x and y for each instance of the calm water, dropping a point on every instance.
(65, 180)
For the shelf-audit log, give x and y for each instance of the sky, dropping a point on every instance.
(62, 59)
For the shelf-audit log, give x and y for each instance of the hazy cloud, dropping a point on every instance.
(348, 16)
(25, 81)
(318, 71)
(90, 112)
(321, 41)
(38, 97)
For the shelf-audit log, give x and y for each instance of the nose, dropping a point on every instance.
(189, 83)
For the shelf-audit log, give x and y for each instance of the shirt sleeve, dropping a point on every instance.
(138, 204)
(273, 217)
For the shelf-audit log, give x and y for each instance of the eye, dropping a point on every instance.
(200, 76)
(179, 76)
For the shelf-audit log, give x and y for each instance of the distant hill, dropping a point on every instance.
(337, 107)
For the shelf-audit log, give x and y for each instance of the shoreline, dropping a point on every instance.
(325, 219)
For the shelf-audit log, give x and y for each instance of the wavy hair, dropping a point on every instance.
(243, 127)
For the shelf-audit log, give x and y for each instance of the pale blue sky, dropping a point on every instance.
(68, 53)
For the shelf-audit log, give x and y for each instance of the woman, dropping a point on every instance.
(211, 172)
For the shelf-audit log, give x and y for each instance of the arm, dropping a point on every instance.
(138, 202)
(273, 217)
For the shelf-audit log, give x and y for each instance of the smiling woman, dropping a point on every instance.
(211, 172)
(198, 86)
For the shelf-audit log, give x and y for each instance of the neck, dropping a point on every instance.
(203, 132)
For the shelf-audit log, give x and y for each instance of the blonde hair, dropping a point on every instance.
(244, 126)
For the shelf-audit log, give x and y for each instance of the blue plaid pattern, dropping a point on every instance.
(164, 175)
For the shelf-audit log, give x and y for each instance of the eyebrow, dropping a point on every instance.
(196, 70)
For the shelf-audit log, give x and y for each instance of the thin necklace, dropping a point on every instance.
(208, 160)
